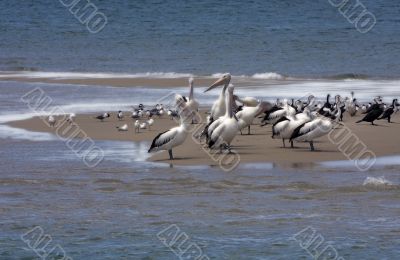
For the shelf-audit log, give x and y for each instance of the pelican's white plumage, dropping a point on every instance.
(312, 130)
(218, 108)
(286, 125)
(247, 115)
(170, 139)
(225, 132)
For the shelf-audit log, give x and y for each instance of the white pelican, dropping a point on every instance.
(247, 101)
(248, 114)
(170, 139)
(275, 113)
(218, 108)
(192, 105)
(137, 126)
(120, 115)
(123, 127)
(51, 120)
(227, 130)
(286, 125)
(309, 131)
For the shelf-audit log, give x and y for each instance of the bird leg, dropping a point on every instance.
(389, 119)
(171, 157)
(284, 145)
(291, 144)
(248, 130)
(312, 146)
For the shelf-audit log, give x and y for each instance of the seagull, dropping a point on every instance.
(150, 122)
(143, 125)
(170, 139)
(103, 116)
(71, 118)
(137, 126)
(51, 120)
(218, 108)
(120, 115)
(123, 127)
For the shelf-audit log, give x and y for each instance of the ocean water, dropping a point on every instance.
(290, 37)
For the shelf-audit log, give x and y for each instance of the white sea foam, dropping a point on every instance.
(267, 75)
(377, 181)
(22, 134)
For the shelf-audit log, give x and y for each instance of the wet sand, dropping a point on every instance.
(255, 148)
(152, 82)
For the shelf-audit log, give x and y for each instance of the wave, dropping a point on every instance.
(377, 181)
(268, 75)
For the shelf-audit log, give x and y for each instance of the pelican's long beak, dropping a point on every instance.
(217, 83)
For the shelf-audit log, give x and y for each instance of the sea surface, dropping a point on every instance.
(291, 37)
(116, 210)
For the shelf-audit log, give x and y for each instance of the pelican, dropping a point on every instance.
(286, 125)
(170, 139)
(248, 114)
(309, 131)
(218, 108)
(247, 101)
(137, 126)
(123, 127)
(192, 105)
(227, 130)
(120, 115)
(275, 113)
(51, 120)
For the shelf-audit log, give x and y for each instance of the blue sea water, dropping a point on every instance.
(291, 37)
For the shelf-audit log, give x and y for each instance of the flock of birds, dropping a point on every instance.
(302, 121)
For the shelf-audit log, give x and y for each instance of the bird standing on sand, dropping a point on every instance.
(103, 116)
(170, 139)
(150, 122)
(224, 134)
(309, 131)
(120, 115)
(218, 108)
(71, 118)
(51, 120)
(389, 112)
(123, 127)
(247, 115)
(373, 114)
(137, 126)
(192, 106)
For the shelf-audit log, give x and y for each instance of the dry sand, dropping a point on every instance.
(382, 140)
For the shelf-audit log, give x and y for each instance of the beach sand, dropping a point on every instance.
(255, 148)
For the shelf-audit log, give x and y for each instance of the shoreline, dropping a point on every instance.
(258, 147)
